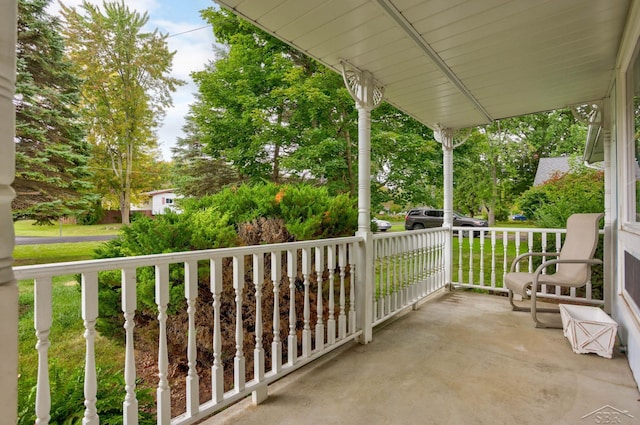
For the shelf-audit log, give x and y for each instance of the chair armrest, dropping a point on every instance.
(531, 254)
(546, 264)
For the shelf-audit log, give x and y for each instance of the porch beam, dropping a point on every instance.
(429, 51)
(8, 285)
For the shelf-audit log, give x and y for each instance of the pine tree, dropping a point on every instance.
(195, 173)
(51, 155)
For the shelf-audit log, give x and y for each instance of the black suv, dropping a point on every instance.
(421, 218)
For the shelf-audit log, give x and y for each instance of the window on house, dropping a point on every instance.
(169, 201)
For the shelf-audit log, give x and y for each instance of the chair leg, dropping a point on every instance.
(535, 310)
(514, 307)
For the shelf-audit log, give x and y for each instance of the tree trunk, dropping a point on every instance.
(352, 179)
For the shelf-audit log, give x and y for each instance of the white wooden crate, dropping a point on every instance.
(588, 329)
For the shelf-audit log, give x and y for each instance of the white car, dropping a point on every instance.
(382, 225)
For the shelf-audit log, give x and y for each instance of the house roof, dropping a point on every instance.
(459, 63)
(548, 167)
(159, 192)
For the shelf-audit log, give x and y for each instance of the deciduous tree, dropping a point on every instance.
(125, 91)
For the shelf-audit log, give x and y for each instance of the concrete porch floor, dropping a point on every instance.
(461, 358)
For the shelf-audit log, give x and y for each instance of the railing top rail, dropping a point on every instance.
(402, 233)
(512, 229)
(86, 266)
(518, 229)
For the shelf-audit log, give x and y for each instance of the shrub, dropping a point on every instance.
(551, 203)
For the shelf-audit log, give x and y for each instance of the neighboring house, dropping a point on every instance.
(550, 167)
(163, 200)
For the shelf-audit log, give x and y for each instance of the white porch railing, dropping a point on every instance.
(313, 284)
(324, 271)
(408, 266)
(481, 262)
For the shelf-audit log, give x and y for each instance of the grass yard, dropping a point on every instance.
(28, 228)
(53, 253)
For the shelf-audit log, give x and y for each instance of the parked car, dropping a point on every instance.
(518, 217)
(423, 217)
(382, 225)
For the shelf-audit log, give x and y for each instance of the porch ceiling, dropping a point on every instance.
(458, 63)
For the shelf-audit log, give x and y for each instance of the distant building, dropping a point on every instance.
(163, 200)
(550, 167)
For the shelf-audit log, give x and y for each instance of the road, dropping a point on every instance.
(36, 240)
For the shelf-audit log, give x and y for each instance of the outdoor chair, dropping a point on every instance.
(573, 265)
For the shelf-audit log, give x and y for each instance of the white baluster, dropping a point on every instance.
(378, 277)
(530, 247)
(482, 234)
(163, 392)
(543, 287)
(191, 294)
(292, 340)
(217, 369)
(320, 301)
(239, 376)
(391, 274)
(306, 330)
(89, 316)
(471, 246)
(129, 306)
(342, 318)
(42, 323)
(558, 249)
(429, 241)
(398, 274)
(460, 243)
(260, 394)
(276, 345)
(331, 321)
(505, 260)
(517, 243)
(493, 259)
(352, 289)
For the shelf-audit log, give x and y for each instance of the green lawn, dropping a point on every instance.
(53, 253)
(28, 228)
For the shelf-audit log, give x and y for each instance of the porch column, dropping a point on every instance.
(609, 254)
(368, 94)
(445, 137)
(8, 285)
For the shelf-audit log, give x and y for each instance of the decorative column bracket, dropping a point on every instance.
(363, 88)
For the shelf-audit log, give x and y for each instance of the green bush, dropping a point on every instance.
(305, 212)
(551, 203)
(67, 398)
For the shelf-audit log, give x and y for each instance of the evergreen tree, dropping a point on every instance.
(194, 173)
(51, 155)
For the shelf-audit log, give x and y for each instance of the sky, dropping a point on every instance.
(193, 46)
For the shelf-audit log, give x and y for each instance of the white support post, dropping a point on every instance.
(445, 137)
(8, 285)
(368, 94)
(610, 206)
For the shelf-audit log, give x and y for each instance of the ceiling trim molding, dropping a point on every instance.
(408, 29)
